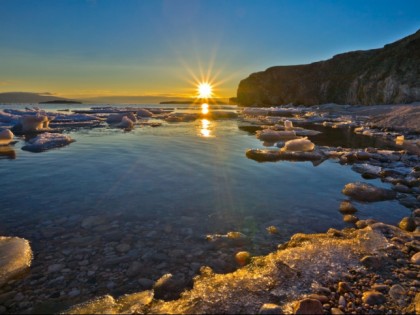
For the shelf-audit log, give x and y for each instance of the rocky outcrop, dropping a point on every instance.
(388, 75)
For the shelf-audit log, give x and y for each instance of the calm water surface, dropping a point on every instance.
(190, 176)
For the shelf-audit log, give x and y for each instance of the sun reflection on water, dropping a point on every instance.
(204, 108)
(205, 128)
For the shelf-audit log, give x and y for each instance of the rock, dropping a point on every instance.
(373, 298)
(308, 306)
(270, 308)
(357, 77)
(168, 287)
(347, 207)
(367, 192)
(322, 298)
(349, 218)
(243, 258)
(407, 224)
(342, 301)
(401, 188)
(371, 262)
(300, 145)
(336, 311)
(15, 257)
(415, 259)
(55, 268)
(270, 135)
(272, 230)
(383, 288)
(123, 247)
(47, 141)
(134, 269)
(343, 287)
(74, 292)
(92, 221)
(397, 292)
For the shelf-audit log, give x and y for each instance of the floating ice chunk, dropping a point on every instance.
(34, 123)
(117, 118)
(47, 141)
(15, 257)
(142, 112)
(288, 125)
(8, 118)
(303, 144)
(126, 123)
(273, 135)
(6, 136)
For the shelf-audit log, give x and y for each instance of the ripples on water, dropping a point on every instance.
(180, 181)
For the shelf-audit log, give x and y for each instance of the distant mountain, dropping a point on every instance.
(387, 75)
(27, 97)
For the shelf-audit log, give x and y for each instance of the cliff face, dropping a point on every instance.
(388, 75)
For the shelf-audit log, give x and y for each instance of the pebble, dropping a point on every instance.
(74, 292)
(397, 292)
(407, 224)
(373, 298)
(346, 207)
(270, 308)
(372, 262)
(55, 268)
(336, 311)
(308, 306)
(349, 218)
(243, 258)
(343, 287)
(415, 259)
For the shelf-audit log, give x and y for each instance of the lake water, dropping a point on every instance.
(160, 191)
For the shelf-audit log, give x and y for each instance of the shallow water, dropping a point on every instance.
(162, 189)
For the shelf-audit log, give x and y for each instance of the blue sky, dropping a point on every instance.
(109, 47)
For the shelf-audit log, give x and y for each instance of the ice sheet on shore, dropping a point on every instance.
(307, 260)
(15, 257)
(47, 141)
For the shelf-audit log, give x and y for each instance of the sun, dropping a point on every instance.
(204, 90)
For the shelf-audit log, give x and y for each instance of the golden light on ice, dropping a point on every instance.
(204, 90)
(204, 108)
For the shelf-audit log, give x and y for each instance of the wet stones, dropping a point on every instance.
(371, 262)
(367, 192)
(270, 308)
(343, 287)
(346, 207)
(349, 218)
(415, 259)
(407, 224)
(308, 306)
(373, 298)
(243, 258)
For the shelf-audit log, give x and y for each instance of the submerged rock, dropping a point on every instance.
(271, 155)
(15, 257)
(47, 141)
(367, 192)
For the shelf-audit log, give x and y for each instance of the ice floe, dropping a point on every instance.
(6, 137)
(47, 141)
(15, 257)
(303, 144)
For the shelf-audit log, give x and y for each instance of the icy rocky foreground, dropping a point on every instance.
(356, 270)
(15, 257)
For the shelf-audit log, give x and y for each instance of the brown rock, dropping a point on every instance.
(322, 298)
(397, 292)
(415, 259)
(270, 308)
(373, 298)
(367, 192)
(347, 207)
(343, 287)
(372, 262)
(349, 218)
(407, 224)
(336, 311)
(308, 306)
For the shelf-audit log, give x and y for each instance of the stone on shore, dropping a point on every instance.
(300, 145)
(270, 308)
(308, 306)
(346, 207)
(407, 224)
(373, 298)
(367, 192)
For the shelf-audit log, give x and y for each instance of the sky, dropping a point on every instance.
(88, 48)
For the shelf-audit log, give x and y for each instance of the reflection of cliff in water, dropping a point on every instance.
(7, 152)
(336, 137)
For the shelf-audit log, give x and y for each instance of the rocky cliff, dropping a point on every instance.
(388, 75)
